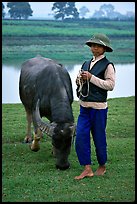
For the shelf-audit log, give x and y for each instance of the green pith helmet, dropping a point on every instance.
(100, 39)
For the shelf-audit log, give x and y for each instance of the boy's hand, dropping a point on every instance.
(86, 75)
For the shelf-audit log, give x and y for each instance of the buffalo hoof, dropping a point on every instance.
(35, 146)
(62, 167)
(34, 150)
(27, 140)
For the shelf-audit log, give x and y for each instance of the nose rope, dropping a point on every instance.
(73, 135)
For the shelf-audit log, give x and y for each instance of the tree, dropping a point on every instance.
(3, 13)
(98, 14)
(59, 8)
(71, 10)
(83, 10)
(19, 10)
(107, 11)
(63, 9)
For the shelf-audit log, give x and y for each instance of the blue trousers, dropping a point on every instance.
(94, 121)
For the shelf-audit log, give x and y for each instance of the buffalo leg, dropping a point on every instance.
(35, 146)
(28, 137)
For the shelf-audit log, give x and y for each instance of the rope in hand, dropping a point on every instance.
(81, 82)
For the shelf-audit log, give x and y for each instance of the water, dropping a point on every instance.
(124, 87)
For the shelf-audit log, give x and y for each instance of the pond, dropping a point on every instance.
(125, 81)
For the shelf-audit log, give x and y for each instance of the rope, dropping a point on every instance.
(81, 82)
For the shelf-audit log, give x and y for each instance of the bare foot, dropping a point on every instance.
(100, 171)
(86, 173)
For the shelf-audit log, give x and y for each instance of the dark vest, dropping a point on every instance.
(95, 93)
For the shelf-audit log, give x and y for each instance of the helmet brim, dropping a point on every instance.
(95, 41)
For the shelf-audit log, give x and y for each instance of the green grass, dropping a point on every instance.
(32, 177)
(45, 27)
(48, 31)
(65, 41)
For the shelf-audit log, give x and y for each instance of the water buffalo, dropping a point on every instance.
(45, 90)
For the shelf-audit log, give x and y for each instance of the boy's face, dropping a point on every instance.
(97, 49)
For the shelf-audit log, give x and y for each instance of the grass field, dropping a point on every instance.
(32, 177)
(65, 41)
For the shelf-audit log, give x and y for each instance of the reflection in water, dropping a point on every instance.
(10, 84)
(125, 82)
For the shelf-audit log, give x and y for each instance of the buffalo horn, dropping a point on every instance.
(45, 127)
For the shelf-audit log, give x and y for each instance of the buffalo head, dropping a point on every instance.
(62, 137)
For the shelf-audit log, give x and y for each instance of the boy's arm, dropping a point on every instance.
(109, 82)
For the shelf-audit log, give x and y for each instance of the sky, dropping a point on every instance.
(42, 9)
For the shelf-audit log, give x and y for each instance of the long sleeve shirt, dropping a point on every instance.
(108, 84)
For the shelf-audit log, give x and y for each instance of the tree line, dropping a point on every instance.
(64, 10)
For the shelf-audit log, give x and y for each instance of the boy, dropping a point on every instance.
(96, 79)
